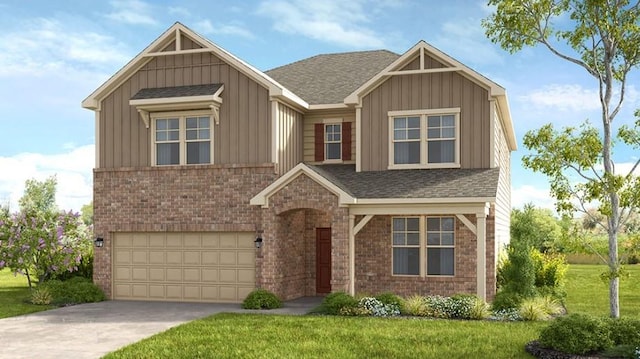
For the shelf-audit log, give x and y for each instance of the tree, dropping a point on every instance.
(39, 241)
(603, 38)
(537, 227)
(87, 213)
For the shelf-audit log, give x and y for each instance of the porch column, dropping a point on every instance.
(481, 255)
(352, 255)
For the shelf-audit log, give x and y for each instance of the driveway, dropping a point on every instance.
(95, 329)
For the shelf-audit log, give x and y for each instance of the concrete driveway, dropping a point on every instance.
(95, 329)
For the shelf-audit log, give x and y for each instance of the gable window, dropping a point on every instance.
(332, 141)
(423, 246)
(424, 138)
(182, 139)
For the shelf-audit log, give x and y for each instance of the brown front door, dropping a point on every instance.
(323, 260)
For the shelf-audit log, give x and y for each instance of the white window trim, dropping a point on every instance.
(324, 135)
(182, 115)
(423, 114)
(423, 247)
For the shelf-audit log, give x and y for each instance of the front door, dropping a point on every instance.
(323, 260)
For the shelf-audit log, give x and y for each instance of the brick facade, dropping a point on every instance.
(205, 198)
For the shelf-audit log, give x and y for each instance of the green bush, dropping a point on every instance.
(261, 299)
(460, 306)
(85, 269)
(388, 298)
(334, 302)
(621, 351)
(41, 296)
(74, 291)
(577, 334)
(625, 331)
(506, 300)
(551, 269)
(533, 309)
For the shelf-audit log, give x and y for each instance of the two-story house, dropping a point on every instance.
(360, 172)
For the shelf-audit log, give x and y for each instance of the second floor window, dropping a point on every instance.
(333, 141)
(182, 140)
(424, 139)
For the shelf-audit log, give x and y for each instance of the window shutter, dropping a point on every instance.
(346, 141)
(319, 142)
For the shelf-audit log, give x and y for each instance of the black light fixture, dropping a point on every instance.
(99, 242)
(258, 242)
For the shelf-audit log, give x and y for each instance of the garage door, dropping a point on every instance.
(194, 267)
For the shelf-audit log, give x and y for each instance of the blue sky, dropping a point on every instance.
(55, 53)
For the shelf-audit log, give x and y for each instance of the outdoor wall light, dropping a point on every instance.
(99, 242)
(258, 242)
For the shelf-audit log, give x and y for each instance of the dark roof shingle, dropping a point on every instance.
(176, 91)
(329, 78)
(425, 183)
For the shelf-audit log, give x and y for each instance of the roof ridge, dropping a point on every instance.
(332, 54)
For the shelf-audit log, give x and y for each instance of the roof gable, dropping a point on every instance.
(179, 39)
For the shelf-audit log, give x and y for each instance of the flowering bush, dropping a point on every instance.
(377, 308)
(509, 315)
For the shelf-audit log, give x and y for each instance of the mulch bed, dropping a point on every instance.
(538, 351)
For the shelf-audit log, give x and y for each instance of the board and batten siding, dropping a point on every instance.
(290, 128)
(310, 119)
(420, 92)
(503, 195)
(243, 135)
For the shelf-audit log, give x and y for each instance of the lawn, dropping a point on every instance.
(267, 336)
(14, 293)
(587, 293)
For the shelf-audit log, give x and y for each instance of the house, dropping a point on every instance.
(359, 172)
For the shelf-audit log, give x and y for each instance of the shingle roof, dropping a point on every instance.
(177, 91)
(328, 79)
(429, 183)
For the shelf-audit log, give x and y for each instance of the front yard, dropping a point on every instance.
(14, 293)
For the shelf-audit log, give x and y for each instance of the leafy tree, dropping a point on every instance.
(87, 213)
(603, 38)
(537, 227)
(39, 241)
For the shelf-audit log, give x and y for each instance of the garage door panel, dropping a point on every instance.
(213, 267)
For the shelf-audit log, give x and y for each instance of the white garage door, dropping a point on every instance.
(194, 267)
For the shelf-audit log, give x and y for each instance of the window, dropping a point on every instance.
(406, 246)
(423, 246)
(182, 139)
(332, 141)
(440, 245)
(424, 138)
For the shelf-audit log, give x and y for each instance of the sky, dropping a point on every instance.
(53, 54)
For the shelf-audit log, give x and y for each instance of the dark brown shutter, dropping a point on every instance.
(346, 141)
(319, 141)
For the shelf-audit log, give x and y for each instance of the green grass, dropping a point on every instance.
(271, 336)
(14, 294)
(587, 293)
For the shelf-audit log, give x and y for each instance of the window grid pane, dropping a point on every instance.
(333, 141)
(406, 137)
(191, 134)
(440, 246)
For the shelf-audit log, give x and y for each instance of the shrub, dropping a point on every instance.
(518, 271)
(508, 315)
(479, 310)
(506, 300)
(334, 302)
(74, 291)
(622, 351)
(460, 306)
(41, 296)
(551, 270)
(388, 298)
(85, 268)
(377, 308)
(625, 331)
(577, 334)
(354, 311)
(533, 309)
(438, 306)
(415, 305)
(261, 299)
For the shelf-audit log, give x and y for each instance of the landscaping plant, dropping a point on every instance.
(261, 299)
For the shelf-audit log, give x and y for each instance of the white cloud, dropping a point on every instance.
(180, 11)
(539, 196)
(206, 27)
(45, 46)
(573, 97)
(336, 22)
(73, 170)
(133, 12)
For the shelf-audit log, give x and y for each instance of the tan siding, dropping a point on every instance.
(241, 137)
(413, 65)
(310, 119)
(437, 90)
(503, 197)
(290, 138)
